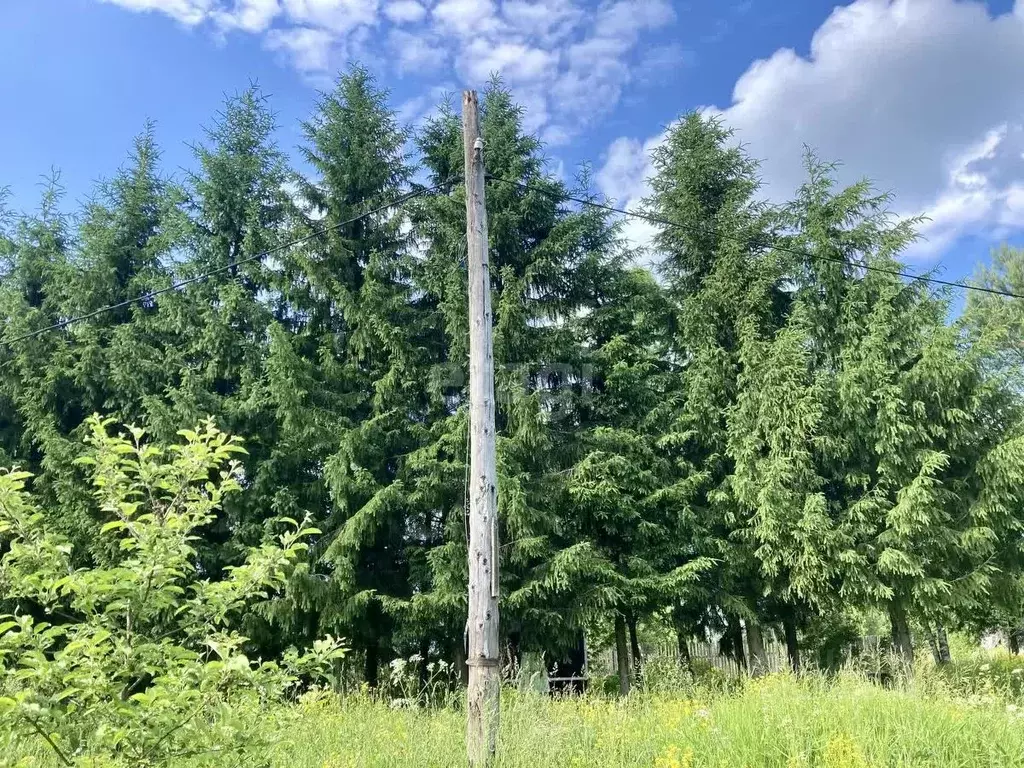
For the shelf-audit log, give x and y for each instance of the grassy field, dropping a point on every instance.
(777, 722)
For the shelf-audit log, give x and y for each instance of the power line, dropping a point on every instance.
(785, 249)
(522, 185)
(206, 275)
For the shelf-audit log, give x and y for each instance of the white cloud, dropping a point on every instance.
(405, 11)
(516, 62)
(301, 19)
(334, 15)
(557, 169)
(628, 17)
(567, 61)
(309, 49)
(555, 136)
(466, 17)
(984, 186)
(901, 92)
(660, 59)
(419, 109)
(623, 178)
(924, 97)
(416, 53)
(248, 15)
(534, 102)
(598, 66)
(545, 20)
(189, 12)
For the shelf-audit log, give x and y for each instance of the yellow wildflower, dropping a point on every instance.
(673, 759)
(842, 752)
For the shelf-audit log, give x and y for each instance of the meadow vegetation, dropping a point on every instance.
(756, 429)
(778, 721)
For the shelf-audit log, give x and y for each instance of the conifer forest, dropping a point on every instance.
(763, 429)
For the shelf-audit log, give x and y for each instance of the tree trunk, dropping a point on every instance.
(792, 642)
(514, 660)
(424, 663)
(634, 647)
(902, 643)
(755, 645)
(933, 645)
(461, 668)
(338, 679)
(370, 668)
(735, 634)
(1014, 636)
(942, 641)
(683, 648)
(622, 654)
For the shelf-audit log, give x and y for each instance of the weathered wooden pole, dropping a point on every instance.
(482, 658)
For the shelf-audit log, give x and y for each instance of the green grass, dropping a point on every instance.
(778, 721)
(775, 722)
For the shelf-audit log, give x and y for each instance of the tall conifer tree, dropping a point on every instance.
(351, 343)
(215, 329)
(713, 262)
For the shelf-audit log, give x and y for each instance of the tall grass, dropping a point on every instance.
(775, 722)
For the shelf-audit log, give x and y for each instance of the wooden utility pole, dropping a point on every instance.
(482, 626)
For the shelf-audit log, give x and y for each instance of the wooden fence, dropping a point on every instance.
(700, 652)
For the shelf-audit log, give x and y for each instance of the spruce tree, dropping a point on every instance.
(214, 330)
(110, 361)
(622, 500)
(346, 369)
(127, 239)
(871, 445)
(996, 324)
(10, 428)
(40, 389)
(712, 258)
(998, 321)
(545, 264)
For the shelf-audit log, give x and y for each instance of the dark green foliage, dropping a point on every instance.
(548, 265)
(757, 432)
(872, 446)
(354, 347)
(723, 282)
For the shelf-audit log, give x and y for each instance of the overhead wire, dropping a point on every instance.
(774, 246)
(230, 266)
(561, 196)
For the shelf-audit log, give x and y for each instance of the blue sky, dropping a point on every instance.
(923, 96)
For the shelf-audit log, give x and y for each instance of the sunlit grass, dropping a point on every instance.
(775, 722)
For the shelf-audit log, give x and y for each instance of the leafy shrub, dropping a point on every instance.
(134, 663)
(997, 675)
(707, 676)
(410, 683)
(607, 685)
(666, 675)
